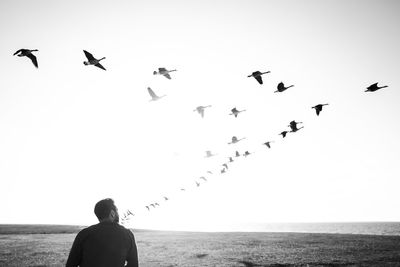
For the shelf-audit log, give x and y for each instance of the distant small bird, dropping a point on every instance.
(210, 172)
(284, 133)
(223, 170)
(197, 184)
(28, 53)
(281, 87)
(236, 112)
(164, 72)
(318, 108)
(166, 199)
(247, 153)
(268, 144)
(203, 178)
(237, 154)
(209, 154)
(183, 189)
(91, 60)
(156, 204)
(235, 140)
(293, 126)
(230, 159)
(130, 213)
(200, 110)
(154, 97)
(148, 208)
(153, 205)
(374, 87)
(257, 76)
(225, 165)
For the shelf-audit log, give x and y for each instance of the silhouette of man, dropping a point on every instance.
(106, 244)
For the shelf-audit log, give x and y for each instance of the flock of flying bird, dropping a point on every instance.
(257, 75)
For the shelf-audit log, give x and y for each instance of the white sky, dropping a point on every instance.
(72, 134)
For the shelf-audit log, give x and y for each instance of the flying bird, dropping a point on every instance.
(230, 159)
(257, 76)
(284, 133)
(223, 170)
(247, 153)
(225, 165)
(293, 126)
(153, 95)
(236, 112)
(153, 205)
(209, 154)
(91, 60)
(203, 178)
(235, 140)
(164, 72)
(197, 184)
(268, 144)
(281, 87)
(237, 154)
(318, 108)
(148, 208)
(166, 199)
(210, 172)
(374, 87)
(200, 110)
(28, 53)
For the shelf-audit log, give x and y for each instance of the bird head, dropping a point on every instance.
(85, 62)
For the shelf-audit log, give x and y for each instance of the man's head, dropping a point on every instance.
(106, 210)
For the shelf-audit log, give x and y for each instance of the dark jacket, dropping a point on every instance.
(105, 244)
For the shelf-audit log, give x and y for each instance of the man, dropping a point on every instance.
(106, 244)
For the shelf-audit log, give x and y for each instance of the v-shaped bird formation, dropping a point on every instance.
(294, 126)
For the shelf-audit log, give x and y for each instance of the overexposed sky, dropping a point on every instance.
(72, 134)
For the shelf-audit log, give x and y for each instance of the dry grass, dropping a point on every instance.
(158, 248)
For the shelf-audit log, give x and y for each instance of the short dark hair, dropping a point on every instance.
(104, 207)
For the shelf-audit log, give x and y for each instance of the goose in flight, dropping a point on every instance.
(374, 87)
(236, 112)
(268, 144)
(230, 159)
(257, 76)
(225, 165)
(247, 153)
(223, 170)
(210, 172)
(197, 184)
(166, 199)
(281, 87)
(237, 154)
(293, 126)
(28, 53)
(209, 154)
(200, 110)
(91, 60)
(284, 133)
(148, 208)
(203, 178)
(318, 108)
(153, 95)
(164, 72)
(129, 213)
(153, 205)
(235, 140)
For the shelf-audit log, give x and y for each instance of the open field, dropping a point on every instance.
(20, 247)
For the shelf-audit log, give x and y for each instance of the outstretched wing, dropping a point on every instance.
(88, 55)
(162, 70)
(100, 66)
(166, 75)
(34, 60)
(259, 79)
(151, 92)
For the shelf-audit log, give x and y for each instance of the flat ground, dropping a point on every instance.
(49, 246)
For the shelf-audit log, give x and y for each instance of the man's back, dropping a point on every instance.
(103, 244)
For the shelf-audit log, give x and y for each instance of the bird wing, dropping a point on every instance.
(18, 51)
(151, 92)
(34, 60)
(201, 111)
(162, 70)
(88, 55)
(166, 75)
(259, 79)
(100, 66)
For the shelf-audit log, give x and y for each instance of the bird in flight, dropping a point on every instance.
(223, 170)
(318, 108)
(153, 95)
(284, 133)
(247, 153)
(225, 165)
(28, 53)
(236, 112)
(235, 140)
(164, 72)
(200, 110)
(165, 198)
(91, 60)
(210, 172)
(130, 213)
(197, 184)
(281, 87)
(203, 178)
(257, 76)
(374, 87)
(209, 154)
(293, 126)
(268, 144)
(148, 208)
(237, 154)
(230, 159)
